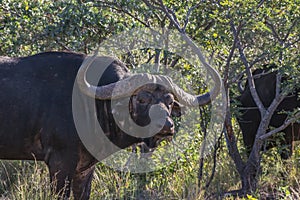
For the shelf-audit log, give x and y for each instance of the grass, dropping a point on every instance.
(279, 180)
(24, 180)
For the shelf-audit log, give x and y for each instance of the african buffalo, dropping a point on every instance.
(36, 120)
(249, 120)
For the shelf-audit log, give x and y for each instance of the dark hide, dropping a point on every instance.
(249, 119)
(36, 116)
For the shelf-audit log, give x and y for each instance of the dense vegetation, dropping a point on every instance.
(265, 31)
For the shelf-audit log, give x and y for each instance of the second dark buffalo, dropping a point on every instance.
(249, 120)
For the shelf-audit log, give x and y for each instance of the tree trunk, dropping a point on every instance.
(252, 169)
(250, 178)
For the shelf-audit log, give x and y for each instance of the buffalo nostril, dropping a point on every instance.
(169, 123)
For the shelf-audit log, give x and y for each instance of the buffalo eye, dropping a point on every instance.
(141, 101)
(144, 98)
(177, 109)
(169, 99)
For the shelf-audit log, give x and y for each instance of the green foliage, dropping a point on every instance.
(29, 27)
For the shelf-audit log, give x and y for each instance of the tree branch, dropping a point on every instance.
(260, 4)
(230, 56)
(191, 9)
(65, 47)
(119, 8)
(273, 31)
(171, 15)
(195, 48)
(278, 86)
(283, 126)
(150, 5)
(248, 72)
(290, 29)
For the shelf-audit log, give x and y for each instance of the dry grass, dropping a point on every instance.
(279, 180)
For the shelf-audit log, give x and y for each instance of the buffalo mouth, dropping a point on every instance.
(164, 135)
(152, 143)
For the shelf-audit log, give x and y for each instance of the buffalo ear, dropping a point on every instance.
(177, 109)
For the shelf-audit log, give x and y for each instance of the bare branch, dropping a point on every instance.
(156, 6)
(169, 11)
(171, 15)
(260, 3)
(151, 5)
(191, 9)
(237, 79)
(119, 8)
(174, 62)
(195, 48)
(279, 97)
(65, 47)
(274, 31)
(282, 127)
(230, 56)
(261, 57)
(216, 147)
(278, 82)
(232, 142)
(290, 29)
(248, 72)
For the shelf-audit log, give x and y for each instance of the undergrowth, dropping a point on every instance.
(279, 180)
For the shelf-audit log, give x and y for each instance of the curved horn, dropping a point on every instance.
(83, 85)
(128, 86)
(200, 100)
(116, 90)
(205, 98)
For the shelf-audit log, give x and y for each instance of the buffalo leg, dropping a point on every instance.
(61, 170)
(82, 183)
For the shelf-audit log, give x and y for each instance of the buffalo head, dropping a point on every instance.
(153, 103)
(150, 103)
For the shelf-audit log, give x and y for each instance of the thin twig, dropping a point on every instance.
(290, 29)
(260, 3)
(150, 5)
(171, 15)
(229, 58)
(274, 31)
(63, 45)
(118, 8)
(213, 171)
(189, 12)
